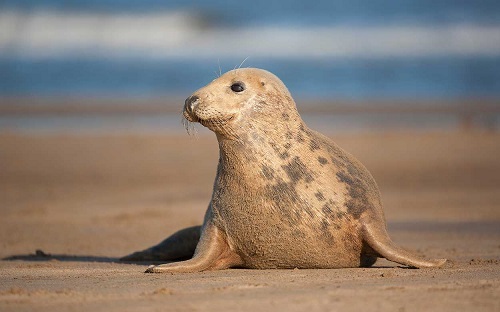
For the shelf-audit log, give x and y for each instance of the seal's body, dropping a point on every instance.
(284, 195)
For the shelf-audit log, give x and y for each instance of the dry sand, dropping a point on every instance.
(88, 199)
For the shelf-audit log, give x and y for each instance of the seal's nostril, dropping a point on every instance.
(190, 102)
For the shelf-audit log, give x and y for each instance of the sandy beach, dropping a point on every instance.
(83, 200)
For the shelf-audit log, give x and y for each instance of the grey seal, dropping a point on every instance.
(284, 195)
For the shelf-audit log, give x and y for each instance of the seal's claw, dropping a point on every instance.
(442, 263)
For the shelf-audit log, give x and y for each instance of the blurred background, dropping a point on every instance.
(406, 63)
(94, 159)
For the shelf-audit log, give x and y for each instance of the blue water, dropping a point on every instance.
(293, 12)
(411, 76)
(345, 79)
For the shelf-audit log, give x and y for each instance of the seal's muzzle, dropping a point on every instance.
(190, 104)
(189, 107)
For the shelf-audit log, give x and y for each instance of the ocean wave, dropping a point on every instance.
(185, 35)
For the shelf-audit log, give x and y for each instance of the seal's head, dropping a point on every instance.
(240, 101)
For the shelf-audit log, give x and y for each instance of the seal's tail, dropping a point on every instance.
(178, 246)
(378, 239)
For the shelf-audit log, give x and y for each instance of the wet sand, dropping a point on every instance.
(86, 199)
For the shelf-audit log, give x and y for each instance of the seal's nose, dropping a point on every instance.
(190, 103)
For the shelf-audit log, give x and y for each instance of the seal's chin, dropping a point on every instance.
(216, 123)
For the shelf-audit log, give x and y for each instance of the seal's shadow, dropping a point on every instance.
(40, 255)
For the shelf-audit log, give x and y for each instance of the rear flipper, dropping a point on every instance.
(377, 238)
(179, 246)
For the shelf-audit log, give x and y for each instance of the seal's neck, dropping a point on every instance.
(259, 150)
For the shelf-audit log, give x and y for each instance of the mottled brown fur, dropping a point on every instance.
(284, 196)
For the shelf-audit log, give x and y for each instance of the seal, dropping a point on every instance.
(284, 195)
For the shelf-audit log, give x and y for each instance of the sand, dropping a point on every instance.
(84, 200)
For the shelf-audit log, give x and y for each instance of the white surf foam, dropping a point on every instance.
(170, 35)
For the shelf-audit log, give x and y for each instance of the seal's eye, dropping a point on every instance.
(238, 86)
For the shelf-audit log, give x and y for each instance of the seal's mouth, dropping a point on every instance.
(208, 122)
(215, 122)
(190, 116)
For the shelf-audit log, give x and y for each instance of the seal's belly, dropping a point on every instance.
(299, 219)
(305, 245)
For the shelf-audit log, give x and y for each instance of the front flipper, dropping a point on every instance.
(179, 246)
(378, 239)
(212, 253)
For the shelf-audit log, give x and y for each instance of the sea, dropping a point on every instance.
(348, 49)
(330, 50)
